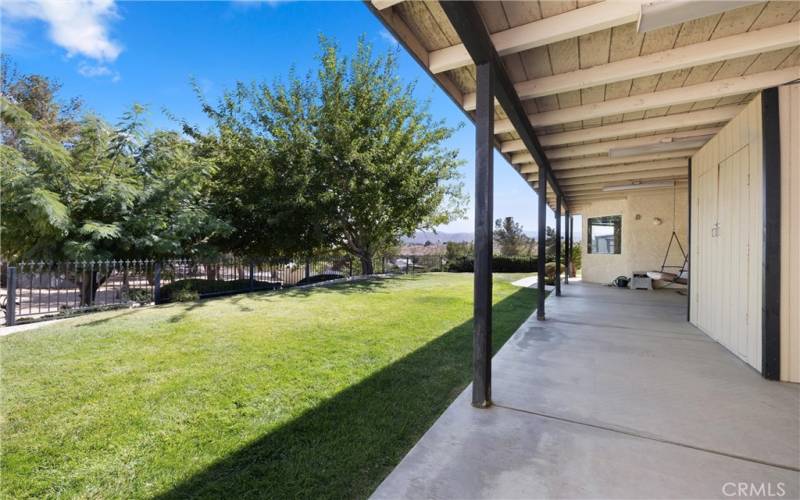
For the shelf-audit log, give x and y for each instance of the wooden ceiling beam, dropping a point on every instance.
(385, 4)
(599, 161)
(662, 173)
(598, 197)
(584, 200)
(468, 23)
(605, 161)
(619, 169)
(661, 123)
(598, 187)
(673, 97)
(721, 49)
(604, 147)
(553, 29)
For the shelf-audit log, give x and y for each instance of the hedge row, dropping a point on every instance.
(204, 287)
(500, 264)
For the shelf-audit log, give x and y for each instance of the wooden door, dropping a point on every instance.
(732, 255)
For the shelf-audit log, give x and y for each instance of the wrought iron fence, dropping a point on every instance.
(40, 289)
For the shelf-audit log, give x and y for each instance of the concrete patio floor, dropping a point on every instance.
(614, 396)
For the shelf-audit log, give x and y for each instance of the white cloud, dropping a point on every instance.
(79, 26)
(97, 70)
(388, 37)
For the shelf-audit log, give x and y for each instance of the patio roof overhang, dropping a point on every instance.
(581, 85)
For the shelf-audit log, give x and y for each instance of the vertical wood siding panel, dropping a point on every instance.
(789, 102)
(726, 280)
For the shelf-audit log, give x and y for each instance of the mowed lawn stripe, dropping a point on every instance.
(315, 392)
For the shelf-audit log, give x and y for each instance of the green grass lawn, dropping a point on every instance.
(304, 393)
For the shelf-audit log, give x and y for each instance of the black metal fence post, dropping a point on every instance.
(252, 276)
(407, 260)
(11, 299)
(157, 283)
(558, 246)
(308, 267)
(351, 266)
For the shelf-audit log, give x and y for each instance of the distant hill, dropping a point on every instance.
(440, 238)
(420, 237)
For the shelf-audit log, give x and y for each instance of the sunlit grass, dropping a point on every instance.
(315, 393)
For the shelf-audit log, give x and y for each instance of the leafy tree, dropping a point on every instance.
(550, 244)
(266, 184)
(456, 250)
(575, 258)
(509, 235)
(36, 94)
(347, 159)
(113, 193)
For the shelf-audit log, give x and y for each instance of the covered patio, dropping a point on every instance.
(616, 395)
(654, 121)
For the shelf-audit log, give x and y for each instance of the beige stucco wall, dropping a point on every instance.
(643, 242)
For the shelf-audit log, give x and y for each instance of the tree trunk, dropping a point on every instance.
(126, 286)
(211, 272)
(366, 264)
(88, 286)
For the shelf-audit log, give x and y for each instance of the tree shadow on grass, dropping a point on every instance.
(373, 284)
(108, 318)
(186, 309)
(344, 447)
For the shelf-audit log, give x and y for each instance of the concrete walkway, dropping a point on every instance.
(614, 396)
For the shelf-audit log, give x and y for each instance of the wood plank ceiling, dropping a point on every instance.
(591, 82)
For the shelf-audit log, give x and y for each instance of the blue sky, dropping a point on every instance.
(114, 54)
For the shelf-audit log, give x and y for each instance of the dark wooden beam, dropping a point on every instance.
(771, 276)
(484, 154)
(466, 19)
(568, 256)
(541, 259)
(689, 252)
(558, 246)
(571, 237)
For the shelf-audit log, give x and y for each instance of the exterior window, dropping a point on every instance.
(605, 234)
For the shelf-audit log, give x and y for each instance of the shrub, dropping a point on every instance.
(500, 264)
(185, 295)
(139, 295)
(319, 278)
(550, 273)
(204, 287)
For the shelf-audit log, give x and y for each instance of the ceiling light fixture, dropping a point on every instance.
(661, 13)
(664, 145)
(640, 185)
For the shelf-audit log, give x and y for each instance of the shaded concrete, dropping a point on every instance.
(615, 395)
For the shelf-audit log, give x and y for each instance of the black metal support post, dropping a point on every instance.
(771, 278)
(689, 251)
(558, 246)
(157, 283)
(571, 236)
(11, 297)
(542, 248)
(568, 250)
(484, 186)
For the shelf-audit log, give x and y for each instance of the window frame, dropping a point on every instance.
(614, 221)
